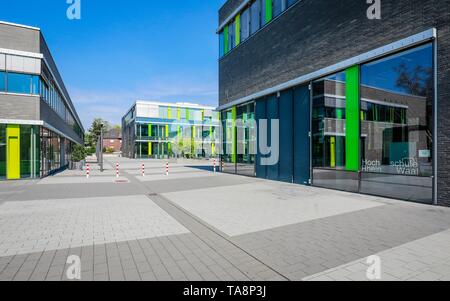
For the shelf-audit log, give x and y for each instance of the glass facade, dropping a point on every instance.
(246, 139)
(19, 152)
(174, 132)
(50, 151)
(397, 124)
(371, 129)
(253, 17)
(2, 81)
(328, 122)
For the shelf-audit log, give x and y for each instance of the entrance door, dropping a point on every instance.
(302, 140)
(13, 149)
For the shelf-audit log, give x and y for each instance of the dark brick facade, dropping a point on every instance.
(315, 34)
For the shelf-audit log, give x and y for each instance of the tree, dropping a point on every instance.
(416, 81)
(96, 129)
(78, 153)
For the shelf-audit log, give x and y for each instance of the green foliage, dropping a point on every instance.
(78, 153)
(97, 125)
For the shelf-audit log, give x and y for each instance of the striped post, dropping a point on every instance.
(143, 170)
(167, 168)
(223, 165)
(88, 171)
(117, 170)
(214, 165)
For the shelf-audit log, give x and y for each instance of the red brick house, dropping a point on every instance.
(113, 140)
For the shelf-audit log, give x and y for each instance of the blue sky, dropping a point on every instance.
(121, 51)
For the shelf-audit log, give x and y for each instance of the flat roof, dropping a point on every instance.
(176, 104)
(20, 25)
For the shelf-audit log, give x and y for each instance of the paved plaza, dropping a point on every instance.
(196, 225)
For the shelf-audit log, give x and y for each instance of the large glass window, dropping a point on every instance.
(246, 139)
(255, 17)
(278, 7)
(291, 2)
(396, 113)
(2, 151)
(2, 81)
(35, 84)
(19, 83)
(221, 44)
(245, 24)
(231, 36)
(328, 122)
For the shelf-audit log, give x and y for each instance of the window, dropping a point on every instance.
(221, 44)
(231, 36)
(163, 113)
(328, 119)
(262, 9)
(255, 17)
(2, 81)
(19, 83)
(279, 6)
(245, 24)
(291, 2)
(396, 114)
(35, 85)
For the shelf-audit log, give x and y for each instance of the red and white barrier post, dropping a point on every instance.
(214, 165)
(88, 171)
(117, 170)
(143, 170)
(223, 165)
(167, 168)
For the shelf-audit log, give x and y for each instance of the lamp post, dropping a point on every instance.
(101, 147)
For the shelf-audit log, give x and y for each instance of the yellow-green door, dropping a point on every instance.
(13, 150)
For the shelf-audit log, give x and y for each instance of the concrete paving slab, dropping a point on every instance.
(33, 226)
(260, 206)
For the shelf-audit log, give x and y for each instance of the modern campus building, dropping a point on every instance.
(363, 103)
(163, 130)
(38, 121)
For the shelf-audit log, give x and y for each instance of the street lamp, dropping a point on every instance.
(101, 147)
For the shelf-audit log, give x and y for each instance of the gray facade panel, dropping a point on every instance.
(19, 38)
(19, 107)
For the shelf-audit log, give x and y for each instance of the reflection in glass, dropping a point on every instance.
(328, 122)
(255, 15)
(246, 139)
(396, 113)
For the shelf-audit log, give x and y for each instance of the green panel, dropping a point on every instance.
(179, 114)
(234, 134)
(225, 40)
(150, 130)
(187, 114)
(149, 149)
(169, 113)
(268, 11)
(352, 119)
(238, 29)
(13, 152)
